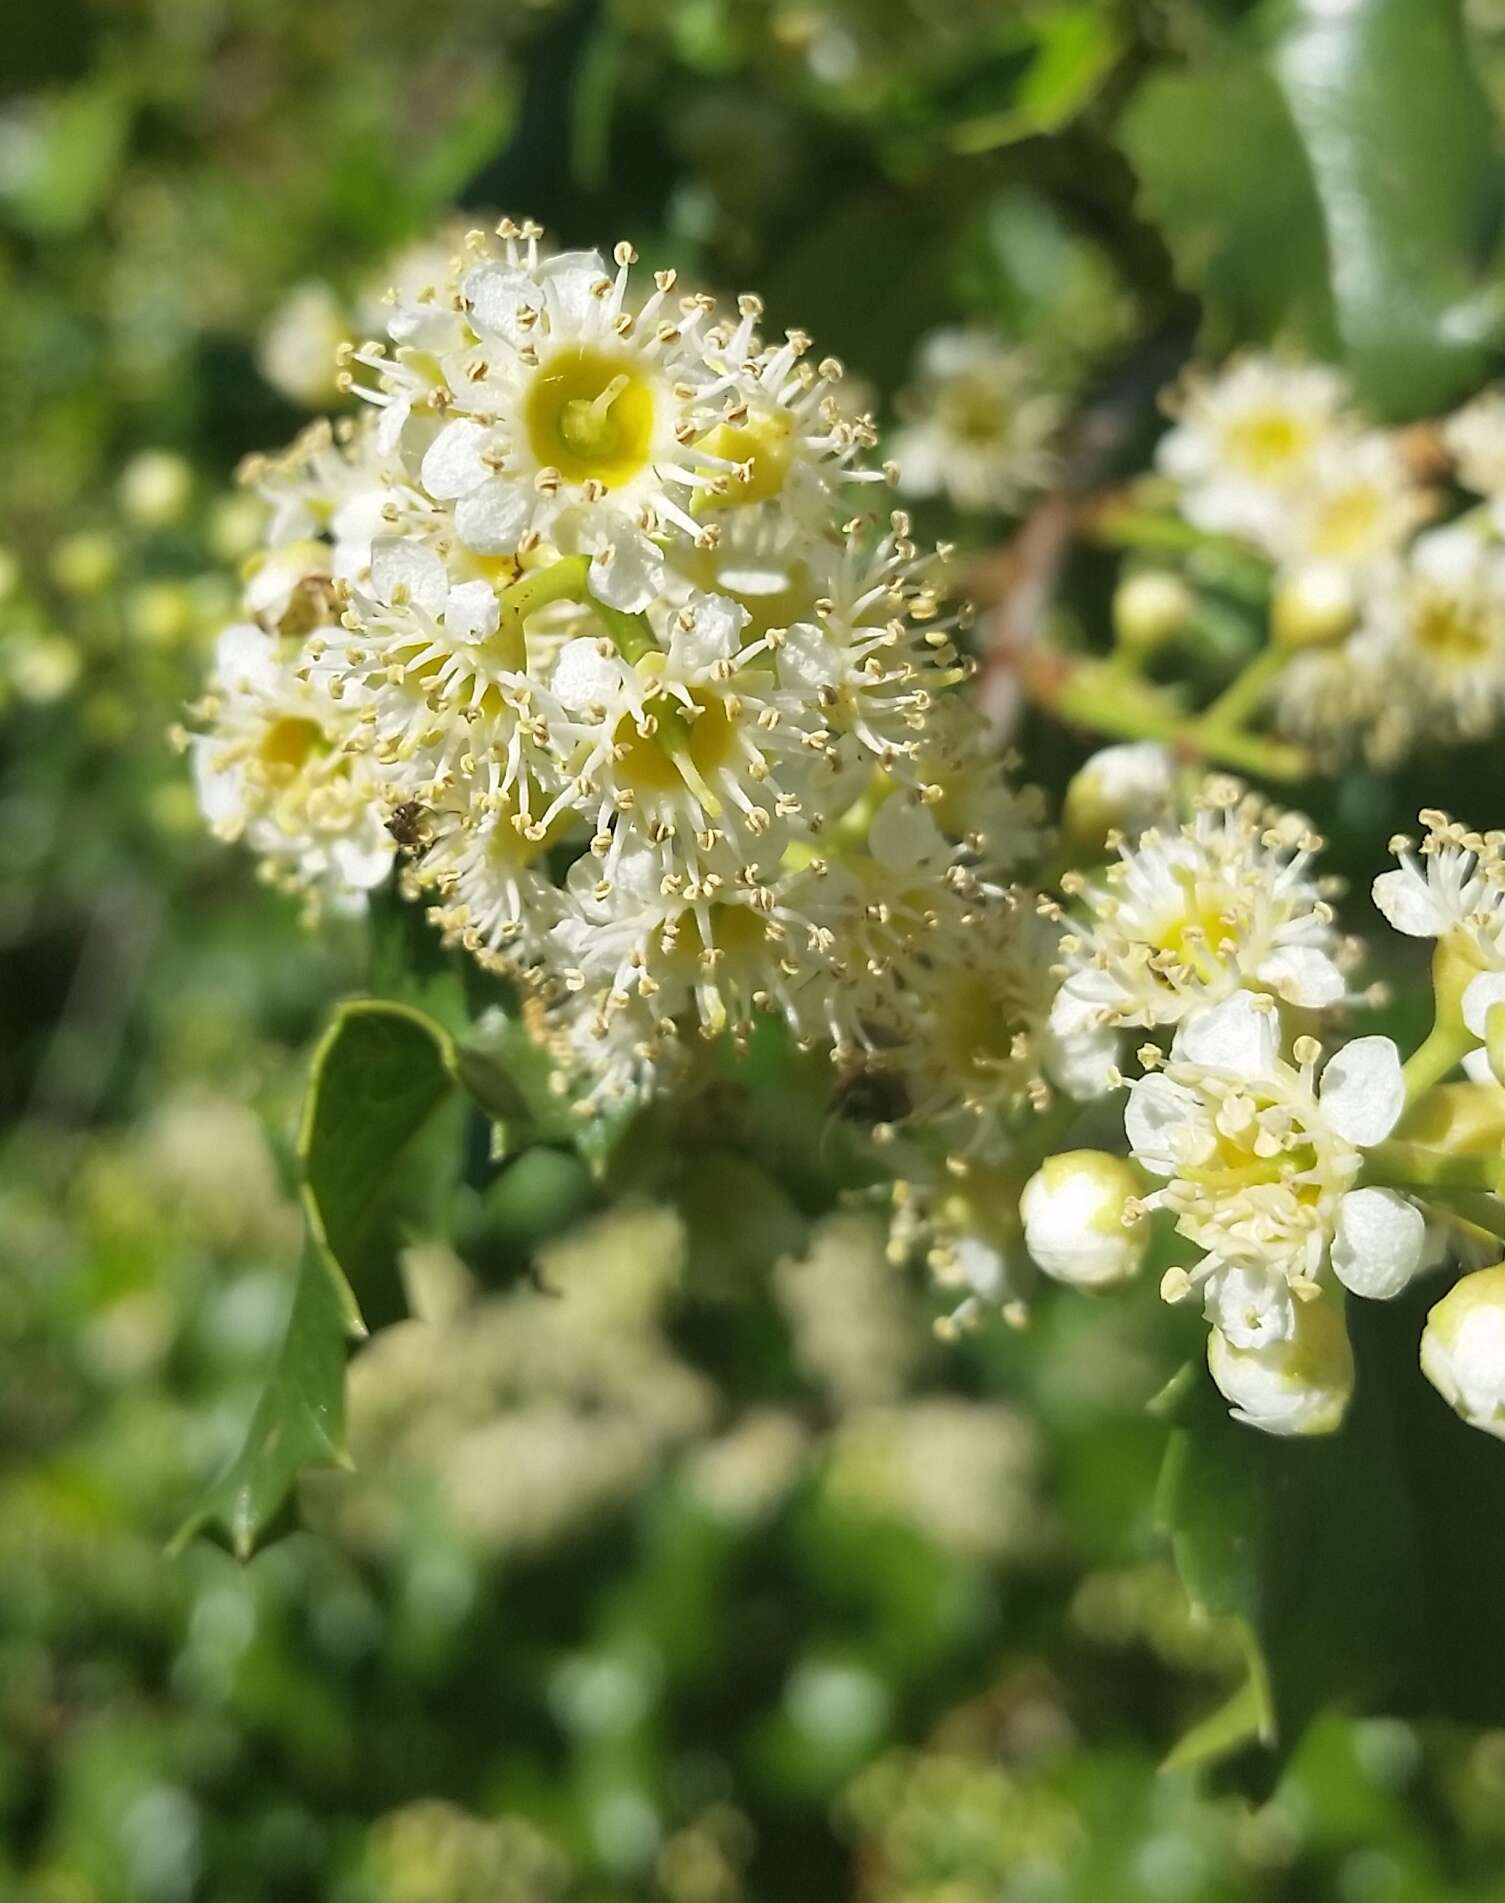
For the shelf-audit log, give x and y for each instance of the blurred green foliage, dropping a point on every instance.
(676, 1562)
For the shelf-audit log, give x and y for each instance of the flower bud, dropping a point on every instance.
(1120, 789)
(1298, 1386)
(155, 489)
(1149, 607)
(1463, 1349)
(1082, 1224)
(1313, 606)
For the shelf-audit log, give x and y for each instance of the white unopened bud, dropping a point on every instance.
(1082, 1223)
(155, 488)
(1463, 1349)
(1313, 606)
(1298, 1386)
(1149, 607)
(1122, 789)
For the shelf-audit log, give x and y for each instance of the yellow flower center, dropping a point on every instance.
(1451, 630)
(591, 415)
(288, 743)
(1265, 441)
(763, 444)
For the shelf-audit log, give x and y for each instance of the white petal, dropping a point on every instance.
(1252, 1305)
(246, 660)
(628, 573)
(498, 296)
(492, 519)
(1484, 991)
(1304, 976)
(1081, 1063)
(1156, 1116)
(714, 634)
(1080, 1003)
(1476, 1067)
(1362, 1091)
(471, 613)
(452, 464)
(902, 835)
(1407, 902)
(1240, 1036)
(569, 279)
(220, 790)
(1378, 1242)
(584, 676)
(361, 863)
(808, 658)
(408, 570)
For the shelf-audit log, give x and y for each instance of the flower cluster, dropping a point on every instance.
(597, 616)
(1289, 1176)
(1402, 621)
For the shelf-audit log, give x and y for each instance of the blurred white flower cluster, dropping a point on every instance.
(1402, 616)
(597, 615)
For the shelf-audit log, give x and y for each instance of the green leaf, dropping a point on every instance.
(1333, 178)
(299, 1419)
(1244, 1719)
(1072, 50)
(1363, 1566)
(1398, 139)
(74, 162)
(379, 1074)
(1222, 174)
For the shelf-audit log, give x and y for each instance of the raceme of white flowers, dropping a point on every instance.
(597, 626)
(1402, 613)
(600, 617)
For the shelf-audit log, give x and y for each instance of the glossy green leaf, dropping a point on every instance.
(380, 1073)
(1401, 150)
(1256, 256)
(1334, 179)
(1362, 1564)
(298, 1422)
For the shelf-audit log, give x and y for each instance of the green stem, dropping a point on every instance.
(568, 579)
(1087, 696)
(1444, 1047)
(564, 580)
(1243, 695)
(1449, 1041)
(1415, 1166)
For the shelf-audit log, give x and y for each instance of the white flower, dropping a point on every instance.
(1247, 439)
(980, 423)
(1082, 1221)
(1259, 1162)
(1454, 883)
(579, 609)
(1300, 1384)
(275, 769)
(1463, 1349)
(1475, 439)
(1438, 628)
(1357, 504)
(1181, 920)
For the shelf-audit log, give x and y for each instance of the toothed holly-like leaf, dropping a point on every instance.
(379, 1076)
